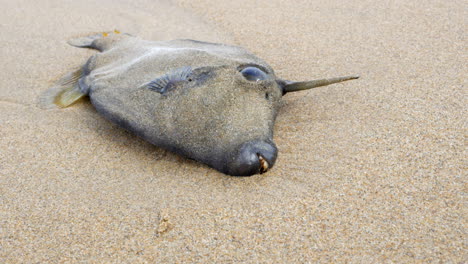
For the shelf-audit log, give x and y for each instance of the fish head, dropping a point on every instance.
(220, 115)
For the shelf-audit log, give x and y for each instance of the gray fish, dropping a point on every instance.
(210, 102)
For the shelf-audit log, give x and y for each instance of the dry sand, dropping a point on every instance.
(369, 171)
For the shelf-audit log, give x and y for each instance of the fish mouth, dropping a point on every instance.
(253, 157)
(264, 166)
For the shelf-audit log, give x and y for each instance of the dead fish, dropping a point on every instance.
(210, 102)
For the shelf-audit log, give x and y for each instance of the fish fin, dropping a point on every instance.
(64, 93)
(167, 82)
(85, 42)
(98, 41)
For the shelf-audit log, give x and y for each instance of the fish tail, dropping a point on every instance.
(64, 93)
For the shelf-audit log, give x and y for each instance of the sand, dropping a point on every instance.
(369, 171)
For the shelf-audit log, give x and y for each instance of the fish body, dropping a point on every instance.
(211, 102)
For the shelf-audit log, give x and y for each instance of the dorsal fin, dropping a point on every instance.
(100, 41)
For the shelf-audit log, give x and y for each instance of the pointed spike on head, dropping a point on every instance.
(299, 86)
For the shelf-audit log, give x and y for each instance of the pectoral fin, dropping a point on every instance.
(64, 93)
(168, 81)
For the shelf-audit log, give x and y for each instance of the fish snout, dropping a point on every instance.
(253, 157)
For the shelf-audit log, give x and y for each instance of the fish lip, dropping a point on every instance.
(264, 165)
(250, 158)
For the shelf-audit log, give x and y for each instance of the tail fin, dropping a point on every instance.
(64, 93)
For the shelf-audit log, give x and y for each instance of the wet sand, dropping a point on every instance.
(369, 171)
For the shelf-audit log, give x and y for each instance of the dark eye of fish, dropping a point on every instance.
(253, 74)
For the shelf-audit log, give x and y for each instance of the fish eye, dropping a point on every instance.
(253, 74)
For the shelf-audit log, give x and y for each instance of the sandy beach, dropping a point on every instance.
(368, 171)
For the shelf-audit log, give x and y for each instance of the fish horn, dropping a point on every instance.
(299, 86)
